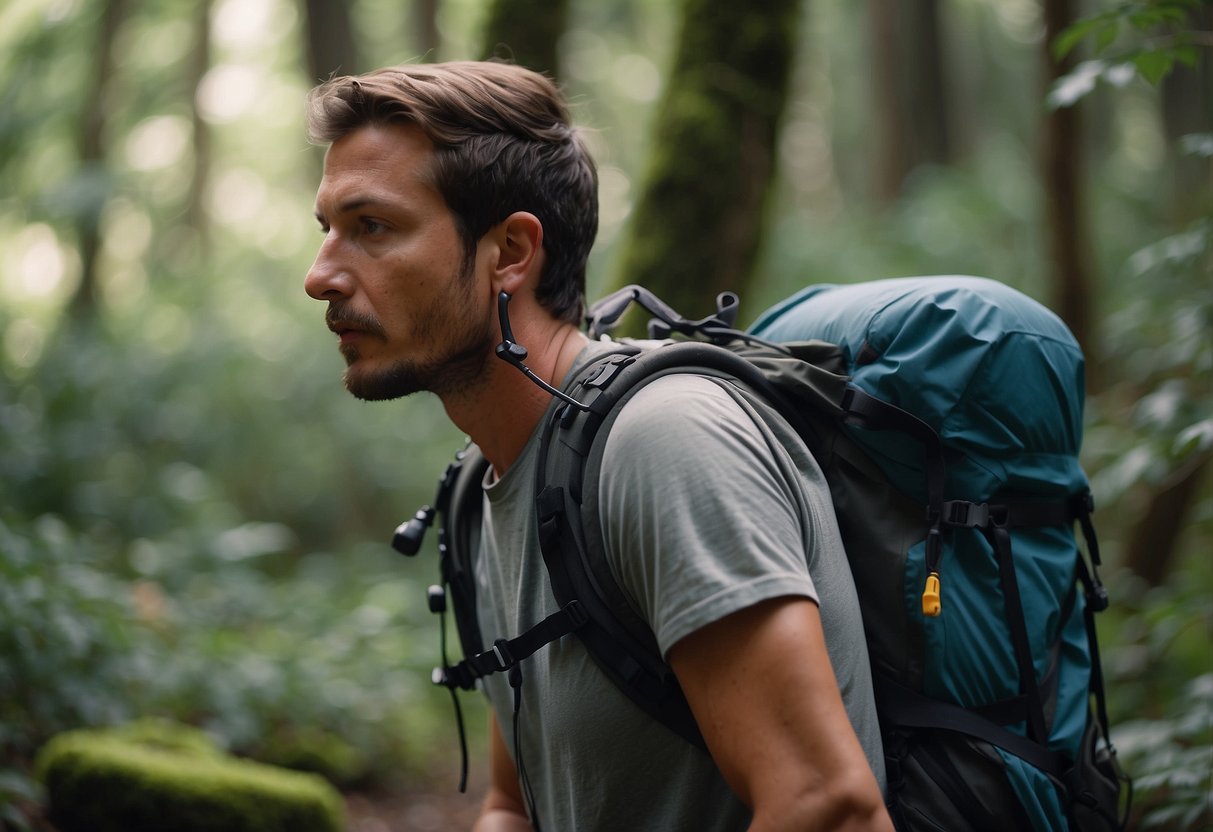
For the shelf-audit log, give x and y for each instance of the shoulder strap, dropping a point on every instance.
(457, 537)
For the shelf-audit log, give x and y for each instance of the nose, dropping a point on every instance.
(328, 278)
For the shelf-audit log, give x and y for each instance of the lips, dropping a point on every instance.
(349, 326)
(348, 336)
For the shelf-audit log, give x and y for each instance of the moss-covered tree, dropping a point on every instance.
(329, 37)
(92, 144)
(526, 32)
(910, 96)
(698, 224)
(1063, 164)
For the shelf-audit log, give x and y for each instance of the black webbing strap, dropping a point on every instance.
(906, 708)
(508, 652)
(1000, 539)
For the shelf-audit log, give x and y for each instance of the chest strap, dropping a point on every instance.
(506, 653)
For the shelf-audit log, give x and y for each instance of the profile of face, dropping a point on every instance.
(410, 312)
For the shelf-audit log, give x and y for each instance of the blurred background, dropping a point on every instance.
(194, 515)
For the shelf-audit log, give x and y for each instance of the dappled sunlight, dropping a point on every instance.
(158, 142)
(196, 514)
(36, 265)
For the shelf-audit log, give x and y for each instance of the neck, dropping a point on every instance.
(500, 415)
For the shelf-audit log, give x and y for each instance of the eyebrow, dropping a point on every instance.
(352, 204)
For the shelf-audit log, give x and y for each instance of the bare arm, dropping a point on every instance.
(503, 809)
(764, 694)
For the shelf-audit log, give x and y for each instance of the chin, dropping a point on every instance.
(381, 386)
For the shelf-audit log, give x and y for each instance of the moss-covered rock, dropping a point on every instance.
(317, 751)
(101, 781)
(167, 735)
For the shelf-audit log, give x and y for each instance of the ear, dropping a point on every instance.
(519, 251)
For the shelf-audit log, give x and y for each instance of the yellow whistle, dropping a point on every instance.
(930, 596)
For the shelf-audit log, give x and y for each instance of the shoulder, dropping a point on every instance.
(686, 437)
(698, 426)
(680, 409)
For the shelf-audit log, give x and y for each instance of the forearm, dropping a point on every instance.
(503, 809)
(501, 820)
(854, 806)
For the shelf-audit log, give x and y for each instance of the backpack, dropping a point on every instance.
(946, 414)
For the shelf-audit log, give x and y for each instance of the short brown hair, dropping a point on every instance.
(503, 142)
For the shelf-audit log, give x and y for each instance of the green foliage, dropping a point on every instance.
(1150, 426)
(194, 515)
(1160, 686)
(1155, 419)
(265, 665)
(1174, 761)
(105, 781)
(1160, 36)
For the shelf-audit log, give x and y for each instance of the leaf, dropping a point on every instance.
(1074, 34)
(1106, 37)
(1154, 66)
(1194, 439)
(1075, 85)
(1197, 144)
(1187, 55)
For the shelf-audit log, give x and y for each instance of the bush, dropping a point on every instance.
(98, 781)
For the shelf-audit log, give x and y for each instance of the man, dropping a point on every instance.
(445, 185)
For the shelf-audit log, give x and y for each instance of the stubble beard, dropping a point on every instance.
(455, 372)
(456, 369)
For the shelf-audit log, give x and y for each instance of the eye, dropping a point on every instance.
(371, 226)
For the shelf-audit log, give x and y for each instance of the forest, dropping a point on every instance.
(195, 516)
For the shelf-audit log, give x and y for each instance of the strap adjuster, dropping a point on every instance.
(966, 514)
(505, 658)
(576, 613)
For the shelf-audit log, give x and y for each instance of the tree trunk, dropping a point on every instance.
(1062, 166)
(198, 63)
(425, 23)
(912, 114)
(91, 149)
(1154, 541)
(698, 224)
(526, 32)
(1187, 108)
(331, 49)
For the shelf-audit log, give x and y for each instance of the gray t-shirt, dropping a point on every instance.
(710, 504)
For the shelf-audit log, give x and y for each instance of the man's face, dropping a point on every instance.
(409, 313)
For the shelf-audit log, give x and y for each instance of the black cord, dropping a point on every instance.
(528, 793)
(514, 354)
(463, 742)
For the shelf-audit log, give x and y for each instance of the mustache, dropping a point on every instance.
(338, 317)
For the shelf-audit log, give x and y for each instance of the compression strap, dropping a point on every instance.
(907, 708)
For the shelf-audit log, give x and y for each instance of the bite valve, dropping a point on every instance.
(409, 534)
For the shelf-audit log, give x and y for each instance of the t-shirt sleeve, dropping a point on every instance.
(703, 513)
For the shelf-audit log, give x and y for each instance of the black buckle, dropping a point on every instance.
(965, 514)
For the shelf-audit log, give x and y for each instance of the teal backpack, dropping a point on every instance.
(946, 414)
